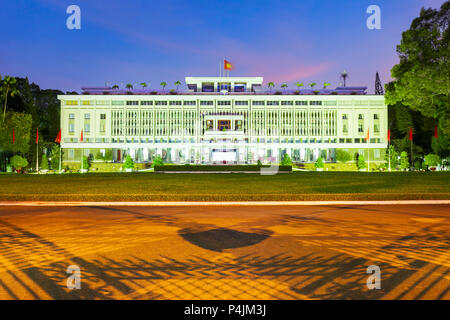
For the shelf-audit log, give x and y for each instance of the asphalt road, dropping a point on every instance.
(316, 252)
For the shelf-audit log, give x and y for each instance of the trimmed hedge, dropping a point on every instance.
(235, 168)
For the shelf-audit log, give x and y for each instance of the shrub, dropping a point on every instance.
(55, 156)
(172, 91)
(18, 162)
(404, 163)
(44, 162)
(153, 92)
(319, 163)
(431, 160)
(316, 92)
(258, 163)
(157, 161)
(296, 92)
(86, 163)
(129, 163)
(277, 92)
(343, 156)
(361, 162)
(286, 160)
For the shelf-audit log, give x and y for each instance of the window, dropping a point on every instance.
(287, 103)
(146, 103)
(258, 103)
(71, 123)
(102, 127)
(175, 103)
(87, 116)
(132, 103)
(117, 103)
(87, 103)
(224, 103)
(301, 103)
(206, 103)
(238, 125)
(272, 103)
(315, 103)
(223, 125)
(376, 116)
(189, 103)
(161, 103)
(344, 117)
(360, 117)
(71, 102)
(360, 127)
(241, 103)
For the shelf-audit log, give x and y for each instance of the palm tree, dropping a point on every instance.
(284, 86)
(177, 84)
(129, 86)
(115, 87)
(144, 85)
(312, 84)
(299, 84)
(344, 76)
(271, 85)
(163, 85)
(326, 84)
(8, 87)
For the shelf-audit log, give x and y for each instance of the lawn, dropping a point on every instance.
(226, 187)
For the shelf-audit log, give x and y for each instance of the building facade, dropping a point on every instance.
(223, 120)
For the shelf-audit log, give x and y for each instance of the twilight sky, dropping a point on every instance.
(142, 40)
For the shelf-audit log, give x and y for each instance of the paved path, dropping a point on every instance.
(233, 252)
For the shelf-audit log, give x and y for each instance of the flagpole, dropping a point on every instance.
(60, 157)
(37, 155)
(389, 154)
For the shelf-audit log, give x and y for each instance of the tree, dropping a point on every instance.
(163, 85)
(129, 163)
(284, 86)
(299, 84)
(157, 161)
(21, 123)
(421, 78)
(404, 163)
(177, 84)
(361, 162)
(271, 85)
(312, 84)
(378, 86)
(44, 162)
(319, 163)
(286, 160)
(129, 86)
(18, 162)
(343, 156)
(8, 87)
(115, 87)
(393, 156)
(326, 84)
(144, 85)
(344, 76)
(54, 154)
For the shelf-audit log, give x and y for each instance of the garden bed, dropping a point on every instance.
(217, 168)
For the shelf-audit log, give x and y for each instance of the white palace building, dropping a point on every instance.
(223, 120)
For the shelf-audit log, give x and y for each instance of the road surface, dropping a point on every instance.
(307, 252)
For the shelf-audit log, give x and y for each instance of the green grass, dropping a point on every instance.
(225, 187)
